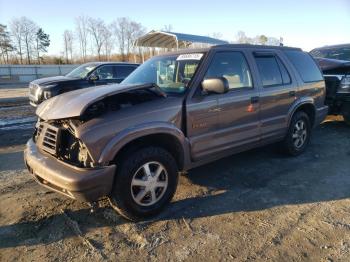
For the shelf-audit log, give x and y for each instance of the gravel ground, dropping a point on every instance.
(258, 205)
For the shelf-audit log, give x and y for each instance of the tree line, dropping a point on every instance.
(23, 42)
(91, 39)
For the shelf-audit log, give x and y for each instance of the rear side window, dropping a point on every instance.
(305, 65)
(269, 71)
(124, 71)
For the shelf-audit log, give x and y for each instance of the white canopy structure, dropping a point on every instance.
(164, 39)
(171, 40)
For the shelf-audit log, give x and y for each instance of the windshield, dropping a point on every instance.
(82, 71)
(339, 53)
(170, 73)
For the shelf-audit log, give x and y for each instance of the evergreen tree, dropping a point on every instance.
(42, 42)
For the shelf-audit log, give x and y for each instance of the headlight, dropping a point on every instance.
(47, 94)
(344, 86)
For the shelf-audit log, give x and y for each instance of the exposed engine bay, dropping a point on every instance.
(58, 137)
(120, 101)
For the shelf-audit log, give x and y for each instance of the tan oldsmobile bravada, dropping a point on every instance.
(174, 112)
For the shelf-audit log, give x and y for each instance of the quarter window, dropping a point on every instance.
(232, 66)
(305, 66)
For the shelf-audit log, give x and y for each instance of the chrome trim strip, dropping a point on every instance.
(337, 76)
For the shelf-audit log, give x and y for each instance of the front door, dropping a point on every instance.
(239, 107)
(220, 122)
(106, 75)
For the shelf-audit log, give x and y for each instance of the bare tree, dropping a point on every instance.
(217, 35)
(119, 27)
(81, 23)
(167, 28)
(242, 38)
(68, 45)
(273, 41)
(126, 32)
(107, 42)
(16, 29)
(29, 35)
(97, 29)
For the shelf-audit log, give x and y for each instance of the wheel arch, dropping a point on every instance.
(166, 136)
(305, 105)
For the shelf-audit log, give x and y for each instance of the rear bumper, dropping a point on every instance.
(321, 114)
(85, 184)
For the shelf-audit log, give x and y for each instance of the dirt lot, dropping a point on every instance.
(257, 205)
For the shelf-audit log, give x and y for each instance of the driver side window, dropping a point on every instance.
(105, 72)
(232, 66)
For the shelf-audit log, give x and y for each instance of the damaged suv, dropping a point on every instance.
(335, 65)
(175, 112)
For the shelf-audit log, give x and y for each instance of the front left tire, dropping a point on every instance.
(145, 183)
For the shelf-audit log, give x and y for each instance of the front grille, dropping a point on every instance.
(47, 137)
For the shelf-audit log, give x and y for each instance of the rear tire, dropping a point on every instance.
(145, 182)
(298, 135)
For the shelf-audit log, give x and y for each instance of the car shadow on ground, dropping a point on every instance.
(251, 181)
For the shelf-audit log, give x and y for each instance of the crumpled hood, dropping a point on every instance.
(329, 64)
(53, 80)
(73, 104)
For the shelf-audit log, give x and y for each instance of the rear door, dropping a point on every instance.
(278, 92)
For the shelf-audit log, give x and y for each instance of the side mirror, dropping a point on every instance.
(217, 85)
(94, 78)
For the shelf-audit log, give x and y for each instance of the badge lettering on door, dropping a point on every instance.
(199, 125)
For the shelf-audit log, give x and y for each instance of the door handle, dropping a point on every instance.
(254, 99)
(292, 93)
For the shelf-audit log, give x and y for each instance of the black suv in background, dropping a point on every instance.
(335, 64)
(86, 75)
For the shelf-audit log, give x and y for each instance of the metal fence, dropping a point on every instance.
(12, 74)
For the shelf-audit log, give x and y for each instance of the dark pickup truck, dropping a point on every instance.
(334, 62)
(176, 111)
(86, 75)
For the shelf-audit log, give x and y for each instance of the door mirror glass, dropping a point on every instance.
(215, 85)
(94, 78)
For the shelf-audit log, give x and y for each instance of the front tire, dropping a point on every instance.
(145, 182)
(298, 135)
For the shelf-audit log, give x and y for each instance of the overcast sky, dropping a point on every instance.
(301, 23)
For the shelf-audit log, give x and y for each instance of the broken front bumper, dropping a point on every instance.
(86, 184)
